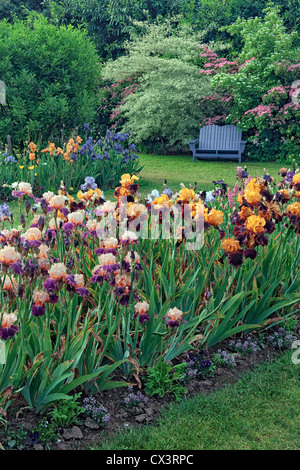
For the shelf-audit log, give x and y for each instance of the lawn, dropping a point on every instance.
(178, 169)
(260, 412)
(181, 169)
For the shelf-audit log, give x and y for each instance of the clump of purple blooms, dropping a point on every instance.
(189, 372)
(281, 339)
(108, 147)
(198, 365)
(224, 359)
(134, 399)
(248, 346)
(96, 411)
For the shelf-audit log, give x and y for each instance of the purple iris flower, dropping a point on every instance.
(89, 183)
(168, 192)
(38, 310)
(10, 159)
(8, 332)
(51, 285)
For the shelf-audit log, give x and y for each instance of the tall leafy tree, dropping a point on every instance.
(14, 8)
(211, 15)
(160, 104)
(108, 22)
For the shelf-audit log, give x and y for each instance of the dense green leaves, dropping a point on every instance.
(262, 86)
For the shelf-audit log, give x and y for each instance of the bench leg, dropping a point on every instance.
(193, 156)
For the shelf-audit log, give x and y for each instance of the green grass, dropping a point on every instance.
(181, 169)
(259, 412)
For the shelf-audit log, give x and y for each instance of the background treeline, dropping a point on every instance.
(135, 65)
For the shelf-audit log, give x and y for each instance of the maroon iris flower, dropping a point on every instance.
(8, 332)
(38, 310)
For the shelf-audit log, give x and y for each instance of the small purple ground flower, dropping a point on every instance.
(249, 346)
(198, 365)
(281, 339)
(224, 359)
(191, 373)
(134, 399)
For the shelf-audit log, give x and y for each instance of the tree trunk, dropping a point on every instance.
(9, 145)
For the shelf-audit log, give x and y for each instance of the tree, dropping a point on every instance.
(14, 8)
(211, 15)
(261, 85)
(160, 102)
(108, 22)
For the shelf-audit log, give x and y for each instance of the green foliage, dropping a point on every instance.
(163, 61)
(290, 323)
(262, 87)
(67, 412)
(10, 9)
(50, 75)
(108, 22)
(163, 378)
(267, 40)
(211, 16)
(208, 16)
(97, 18)
(14, 440)
(9, 173)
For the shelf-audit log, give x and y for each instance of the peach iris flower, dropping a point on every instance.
(58, 272)
(57, 202)
(25, 188)
(8, 255)
(32, 234)
(40, 297)
(8, 319)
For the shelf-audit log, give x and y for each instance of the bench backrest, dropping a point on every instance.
(220, 138)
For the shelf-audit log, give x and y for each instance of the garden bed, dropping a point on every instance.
(91, 306)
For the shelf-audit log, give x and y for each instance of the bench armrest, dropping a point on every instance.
(193, 144)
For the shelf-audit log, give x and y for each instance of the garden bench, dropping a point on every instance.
(218, 142)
